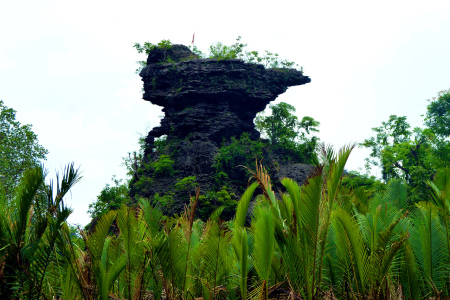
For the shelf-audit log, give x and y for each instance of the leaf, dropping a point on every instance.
(242, 207)
(358, 248)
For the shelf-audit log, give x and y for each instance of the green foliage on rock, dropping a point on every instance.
(212, 200)
(237, 51)
(186, 183)
(163, 166)
(163, 201)
(239, 152)
(160, 167)
(161, 144)
(147, 47)
(221, 51)
(19, 149)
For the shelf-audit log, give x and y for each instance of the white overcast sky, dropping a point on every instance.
(67, 67)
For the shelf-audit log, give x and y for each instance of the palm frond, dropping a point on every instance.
(214, 265)
(97, 238)
(31, 181)
(294, 194)
(263, 226)
(396, 194)
(428, 241)
(337, 168)
(71, 176)
(357, 246)
(262, 178)
(242, 207)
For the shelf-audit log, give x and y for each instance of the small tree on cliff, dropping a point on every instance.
(285, 131)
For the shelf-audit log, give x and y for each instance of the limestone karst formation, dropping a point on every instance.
(206, 102)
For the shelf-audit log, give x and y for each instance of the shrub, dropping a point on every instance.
(143, 182)
(355, 180)
(163, 201)
(110, 198)
(163, 166)
(185, 184)
(214, 199)
(160, 144)
(242, 151)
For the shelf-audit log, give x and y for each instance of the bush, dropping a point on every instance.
(355, 180)
(143, 182)
(211, 200)
(163, 201)
(110, 198)
(160, 144)
(242, 151)
(163, 166)
(185, 184)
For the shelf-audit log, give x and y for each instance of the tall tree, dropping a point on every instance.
(437, 119)
(402, 153)
(19, 149)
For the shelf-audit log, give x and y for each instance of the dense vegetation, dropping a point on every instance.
(413, 155)
(342, 235)
(320, 240)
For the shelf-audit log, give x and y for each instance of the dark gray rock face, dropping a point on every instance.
(206, 102)
(218, 99)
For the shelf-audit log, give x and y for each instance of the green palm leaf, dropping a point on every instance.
(356, 243)
(263, 227)
(428, 241)
(214, 265)
(242, 207)
(97, 238)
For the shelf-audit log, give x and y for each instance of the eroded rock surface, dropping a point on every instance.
(216, 98)
(206, 102)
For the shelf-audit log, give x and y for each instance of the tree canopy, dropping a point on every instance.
(110, 198)
(413, 155)
(285, 131)
(19, 149)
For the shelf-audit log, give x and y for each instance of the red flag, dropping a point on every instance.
(193, 39)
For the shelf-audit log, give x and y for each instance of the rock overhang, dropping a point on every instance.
(210, 96)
